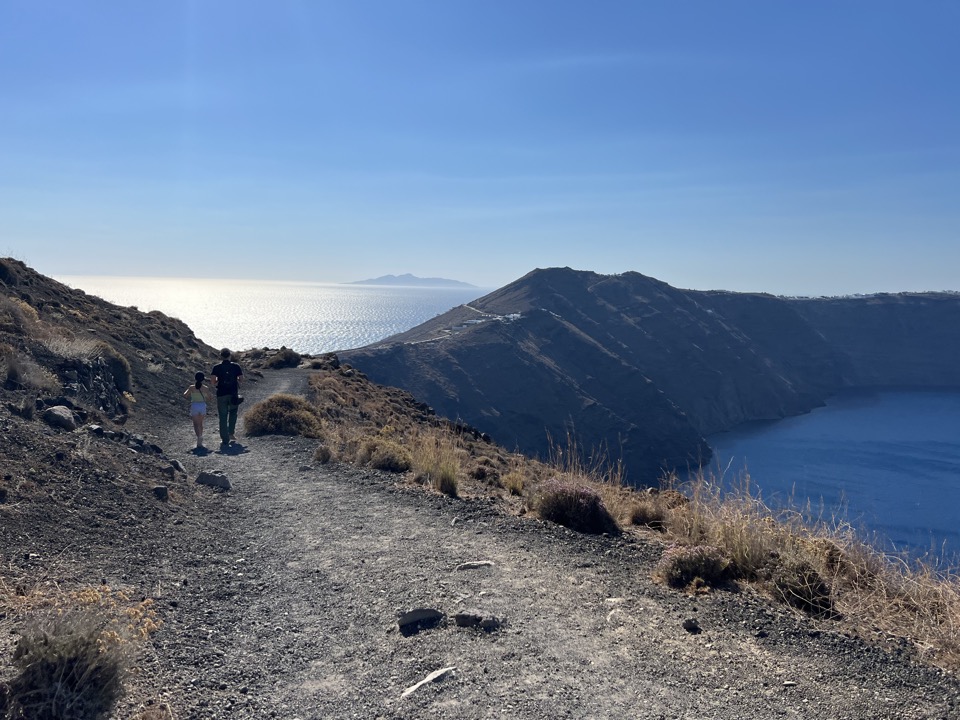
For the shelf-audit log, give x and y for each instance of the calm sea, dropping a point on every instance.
(888, 462)
(308, 317)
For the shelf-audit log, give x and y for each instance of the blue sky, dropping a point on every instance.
(795, 148)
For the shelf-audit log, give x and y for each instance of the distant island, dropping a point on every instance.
(409, 280)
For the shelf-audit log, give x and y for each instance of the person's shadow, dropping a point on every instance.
(201, 451)
(233, 448)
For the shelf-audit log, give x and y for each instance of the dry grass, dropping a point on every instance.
(823, 568)
(73, 348)
(436, 461)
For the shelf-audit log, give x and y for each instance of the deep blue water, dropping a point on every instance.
(887, 461)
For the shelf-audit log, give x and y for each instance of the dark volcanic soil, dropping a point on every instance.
(280, 600)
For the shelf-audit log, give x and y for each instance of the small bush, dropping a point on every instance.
(323, 455)
(283, 414)
(683, 565)
(577, 507)
(69, 667)
(798, 583)
(649, 513)
(73, 654)
(384, 454)
(118, 365)
(283, 358)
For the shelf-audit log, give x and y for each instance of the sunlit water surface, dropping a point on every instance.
(308, 317)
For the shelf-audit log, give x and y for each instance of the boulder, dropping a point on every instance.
(214, 478)
(418, 619)
(161, 493)
(60, 416)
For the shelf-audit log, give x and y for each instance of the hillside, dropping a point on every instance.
(646, 370)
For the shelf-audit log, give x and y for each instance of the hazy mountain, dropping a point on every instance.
(408, 280)
(645, 370)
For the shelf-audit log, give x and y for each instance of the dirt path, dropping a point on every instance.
(283, 603)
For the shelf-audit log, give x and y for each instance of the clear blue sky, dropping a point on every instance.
(788, 147)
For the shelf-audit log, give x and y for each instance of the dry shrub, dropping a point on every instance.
(683, 566)
(283, 358)
(436, 460)
(18, 316)
(798, 583)
(73, 652)
(118, 365)
(22, 372)
(649, 513)
(382, 453)
(283, 414)
(323, 455)
(576, 506)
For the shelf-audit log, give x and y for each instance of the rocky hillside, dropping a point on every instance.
(645, 370)
(61, 346)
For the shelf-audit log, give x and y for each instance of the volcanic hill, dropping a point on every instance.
(630, 366)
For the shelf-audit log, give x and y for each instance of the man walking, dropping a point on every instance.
(226, 378)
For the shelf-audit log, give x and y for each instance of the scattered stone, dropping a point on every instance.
(466, 619)
(491, 624)
(474, 564)
(96, 430)
(692, 626)
(3, 495)
(60, 416)
(306, 468)
(419, 619)
(213, 478)
(170, 472)
(789, 683)
(161, 493)
(435, 676)
(474, 620)
(178, 466)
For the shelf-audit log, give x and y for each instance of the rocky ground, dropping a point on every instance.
(280, 599)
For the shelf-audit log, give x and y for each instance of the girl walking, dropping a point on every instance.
(198, 396)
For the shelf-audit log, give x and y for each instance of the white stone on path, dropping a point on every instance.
(432, 677)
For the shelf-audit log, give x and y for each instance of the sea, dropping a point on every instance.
(310, 317)
(886, 462)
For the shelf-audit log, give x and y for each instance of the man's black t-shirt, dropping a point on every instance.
(227, 373)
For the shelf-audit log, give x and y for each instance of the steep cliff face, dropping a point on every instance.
(906, 339)
(646, 370)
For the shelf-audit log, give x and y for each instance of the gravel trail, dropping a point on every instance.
(282, 600)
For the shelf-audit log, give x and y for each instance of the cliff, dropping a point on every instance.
(644, 370)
